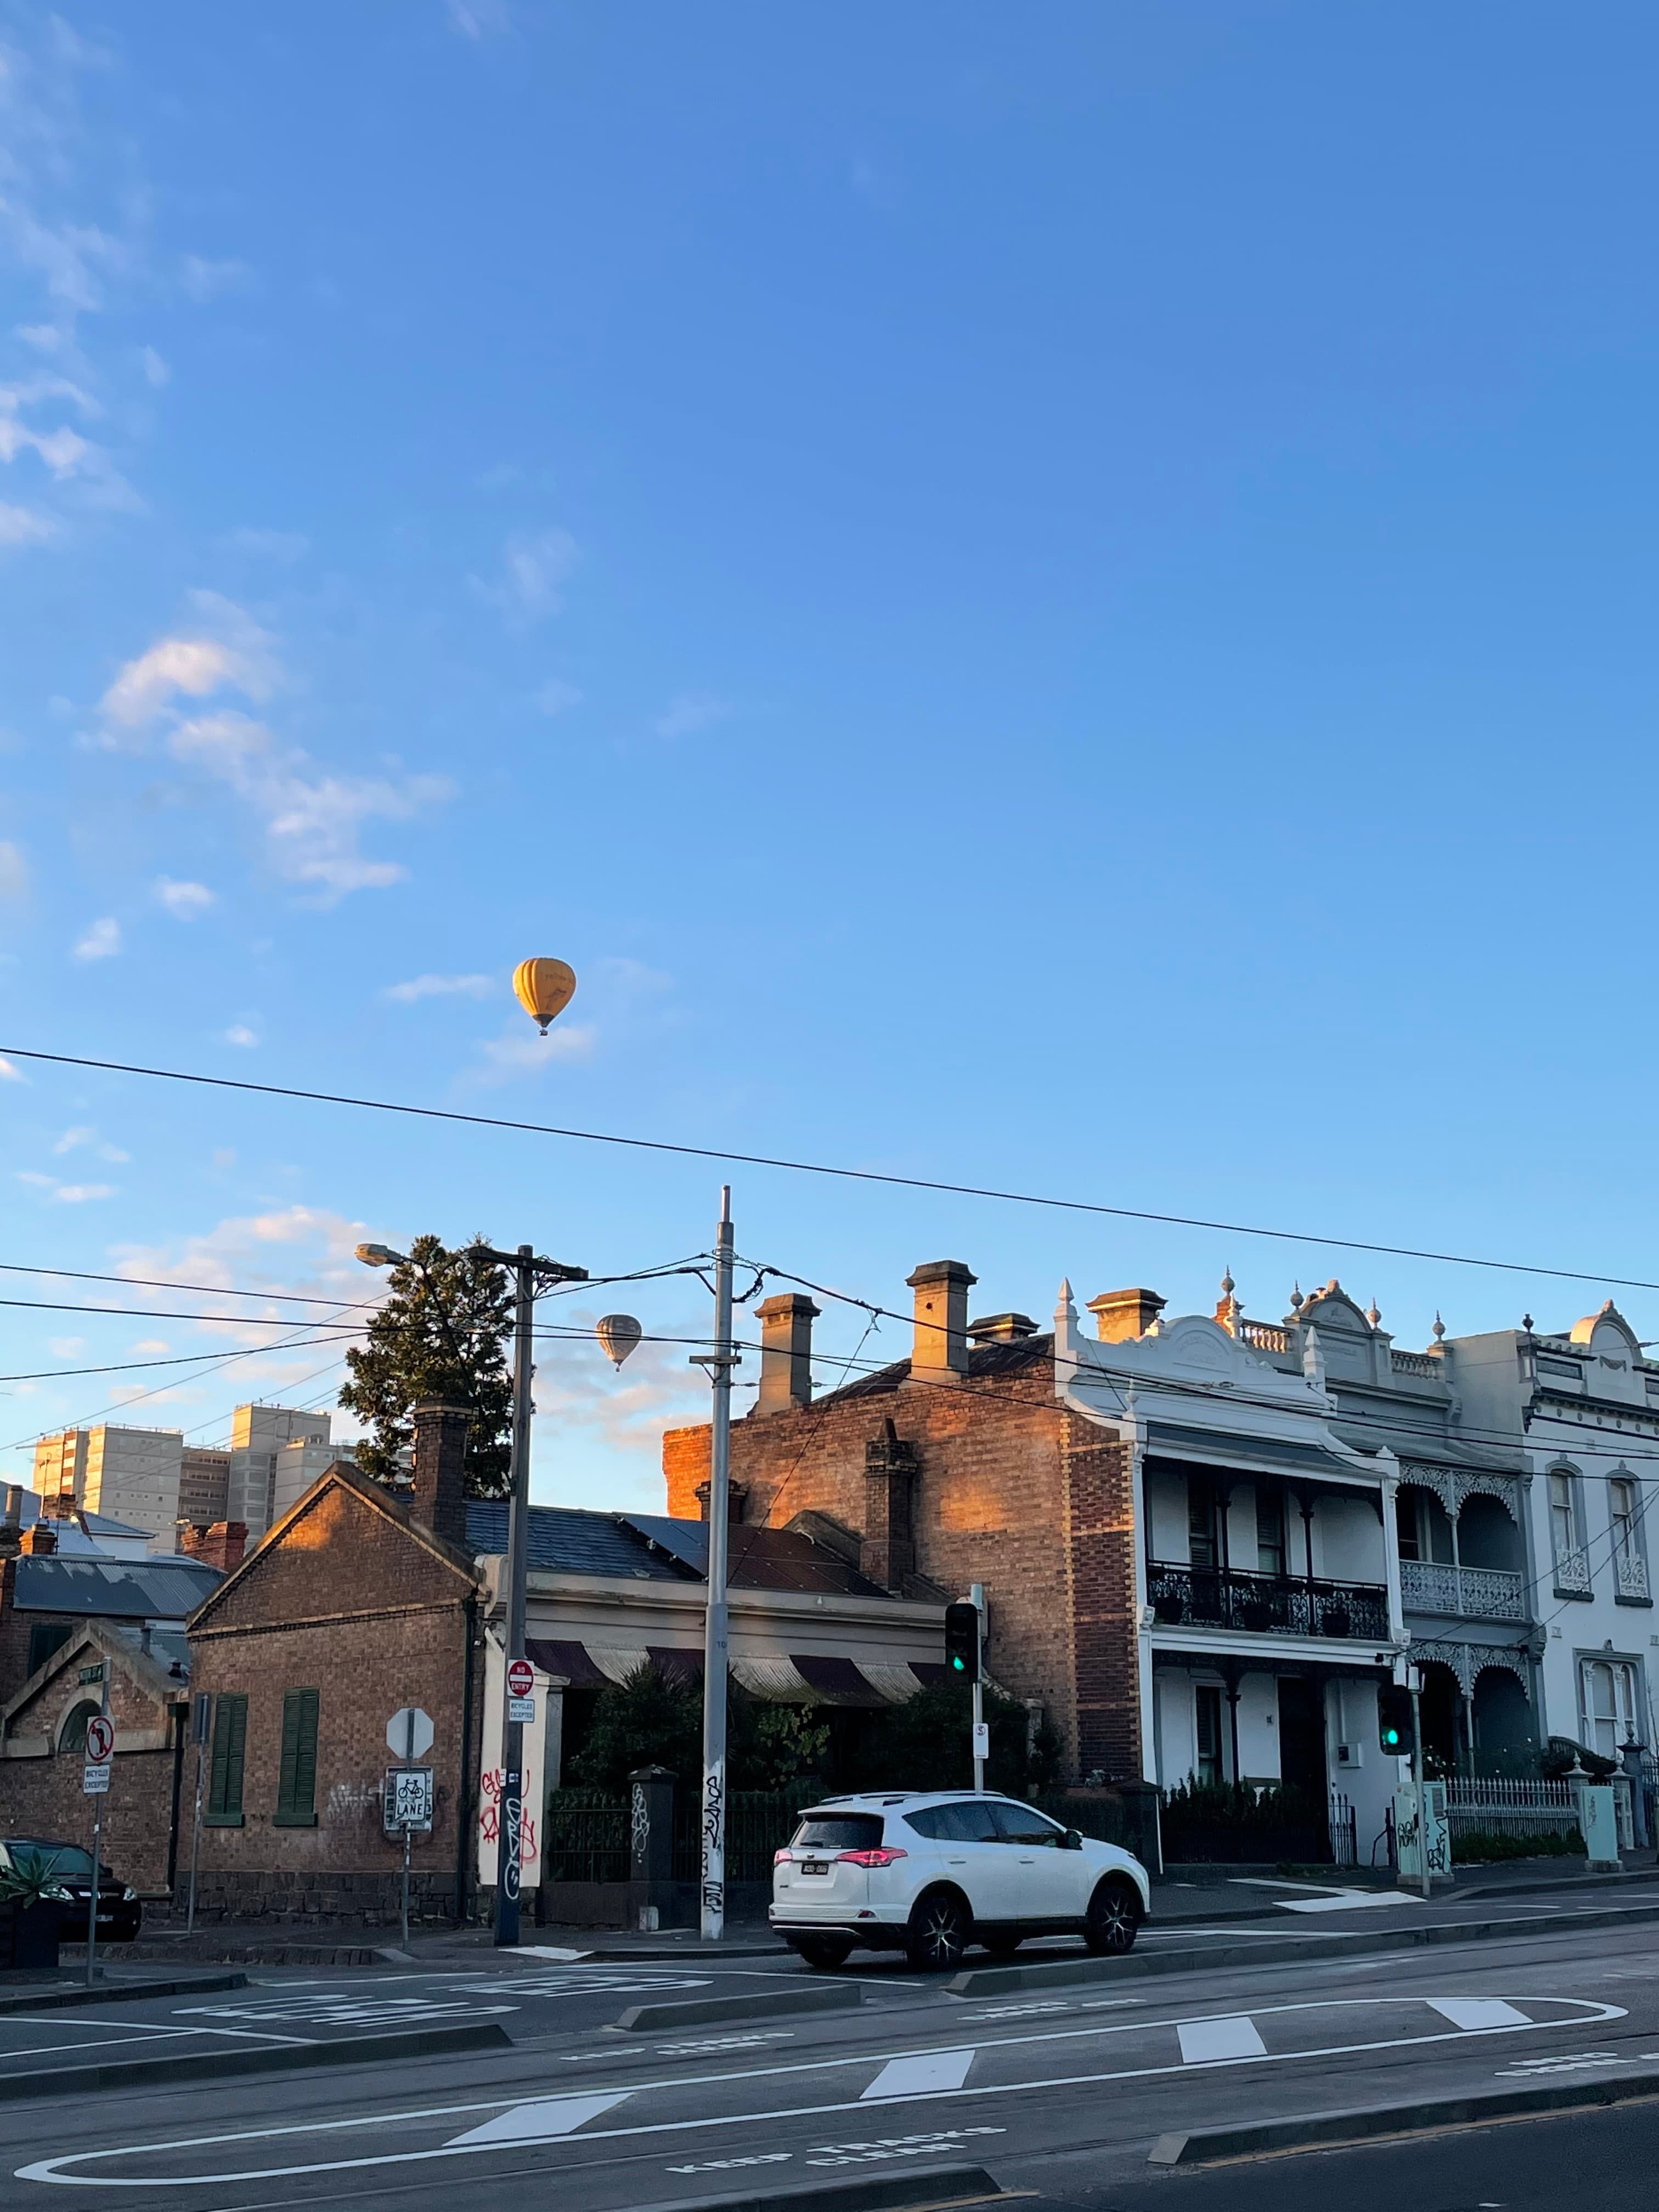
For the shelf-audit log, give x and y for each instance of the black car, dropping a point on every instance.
(118, 1910)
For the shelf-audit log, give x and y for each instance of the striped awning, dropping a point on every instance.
(794, 1678)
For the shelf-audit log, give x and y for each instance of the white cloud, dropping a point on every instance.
(183, 901)
(66, 1347)
(556, 695)
(203, 279)
(479, 19)
(26, 526)
(232, 649)
(286, 546)
(66, 1194)
(312, 819)
(238, 1033)
(520, 1051)
(88, 1139)
(153, 1346)
(14, 871)
(156, 372)
(102, 942)
(11, 1074)
(533, 568)
(440, 987)
(689, 711)
(294, 1248)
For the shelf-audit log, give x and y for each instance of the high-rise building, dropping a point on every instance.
(259, 1435)
(204, 1485)
(130, 1475)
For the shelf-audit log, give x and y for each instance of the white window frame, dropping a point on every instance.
(1625, 1696)
(1570, 1567)
(1628, 1542)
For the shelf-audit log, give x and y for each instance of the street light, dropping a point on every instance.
(527, 1269)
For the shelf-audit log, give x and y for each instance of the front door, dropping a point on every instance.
(1302, 1738)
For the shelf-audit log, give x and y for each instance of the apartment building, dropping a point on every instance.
(263, 1439)
(131, 1474)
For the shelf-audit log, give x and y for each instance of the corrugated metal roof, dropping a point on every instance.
(114, 1589)
(655, 1547)
(760, 1557)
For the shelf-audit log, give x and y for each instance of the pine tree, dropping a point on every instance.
(442, 1333)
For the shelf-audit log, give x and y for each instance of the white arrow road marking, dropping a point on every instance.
(69, 2168)
(540, 2122)
(1473, 2013)
(1203, 2041)
(929, 2071)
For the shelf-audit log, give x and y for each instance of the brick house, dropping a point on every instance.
(43, 1733)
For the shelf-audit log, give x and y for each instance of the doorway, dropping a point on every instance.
(1302, 1736)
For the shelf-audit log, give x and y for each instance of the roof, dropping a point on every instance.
(654, 1548)
(1170, 1440)
(985, 1362)
(113, 1589)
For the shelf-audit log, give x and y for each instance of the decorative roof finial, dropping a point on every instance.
(1439, 1326)
(1227, 1284)
(1374, 1313)
(1526, 1323)
(1296, 1297)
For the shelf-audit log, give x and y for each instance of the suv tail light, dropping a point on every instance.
(882, 1856)
(784, 1857)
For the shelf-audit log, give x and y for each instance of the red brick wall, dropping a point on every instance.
(1013, 1492)
(42, 1797)
(348, 1603)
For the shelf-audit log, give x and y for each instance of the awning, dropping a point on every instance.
(794, 1678)
(1221, 1448)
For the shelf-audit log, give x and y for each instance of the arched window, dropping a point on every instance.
(1571, 1561)
(72, 1736)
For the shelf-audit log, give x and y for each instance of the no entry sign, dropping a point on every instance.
(520, 1677)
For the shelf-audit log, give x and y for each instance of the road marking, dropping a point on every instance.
(1528, 2069)
(540, 2122)
(923, 2146)
(1204, 2041)
(577, 1983)
(1474, 2013)
(1585, 2010)
(340, 2011)
(718, 2043)
(725, 2165)
(921, 2076)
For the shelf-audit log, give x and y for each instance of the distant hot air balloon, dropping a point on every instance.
(543, 988)
(618, 1333)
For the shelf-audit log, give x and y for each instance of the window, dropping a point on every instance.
(1608, 1707)
(1209, 1729)
(45, 1638)
(1405, 1518)
(968, 1821)
(296, 1786)
(1269, 1530)
(224, 1807)
(1630, 1566)
(838, 1832)
(1571, 1564)
(1020, 1824)
(73, 1734)
(1203, 1541)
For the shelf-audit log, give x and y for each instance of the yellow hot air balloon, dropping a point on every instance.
(543, 988)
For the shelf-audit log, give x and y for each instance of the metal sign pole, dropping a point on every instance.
(97, 1844)
(200, 1715)
(509, 1846)
(715, 1628)
(977, 1593)
(1414, 1674)
(405, 1918)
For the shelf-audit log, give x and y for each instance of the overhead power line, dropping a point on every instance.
(829, 1170)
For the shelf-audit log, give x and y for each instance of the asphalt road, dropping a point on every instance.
(1060, 2091)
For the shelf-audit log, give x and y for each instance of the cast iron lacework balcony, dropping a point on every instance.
(1204, 1597)
(1572, 1571)
(1630, 1570)
(1485, 1593)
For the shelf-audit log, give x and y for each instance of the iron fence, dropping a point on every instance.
(585, 1837)
(1206, 1597)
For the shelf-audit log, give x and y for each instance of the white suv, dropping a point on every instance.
(928, 1873)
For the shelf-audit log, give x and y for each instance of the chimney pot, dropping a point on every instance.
(438, 1496)
(1121, 1315)
(221, 1544)
(1002, 1328)
(939, 1352)
(39, 1540)
(785, 1380)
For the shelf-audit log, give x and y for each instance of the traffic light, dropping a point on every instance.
(962, 1642)
(1394, 1722)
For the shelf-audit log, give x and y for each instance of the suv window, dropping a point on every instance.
(966, 1822)
(838, 1832)
(1022, 1824)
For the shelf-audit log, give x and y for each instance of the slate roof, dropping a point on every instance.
(653, 1547)
(985, 1362)
(113, 1589)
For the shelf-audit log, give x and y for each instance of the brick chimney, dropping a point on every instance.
(221, 1544)
(438, 1498)
(785, 1379)
(11, 1527)
(940, 1348)
(40, 1540)
(1121, 1315)
(887, 1550)
(1002, 1328)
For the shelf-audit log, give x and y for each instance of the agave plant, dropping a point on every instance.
(31, 1878)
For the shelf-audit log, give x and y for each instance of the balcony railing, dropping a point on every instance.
(1630, 1573)
(1572, 1571)
(1281, 1605)
(1484, 1593)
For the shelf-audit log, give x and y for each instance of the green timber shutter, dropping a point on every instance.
(296, 1787)
(229, 1745)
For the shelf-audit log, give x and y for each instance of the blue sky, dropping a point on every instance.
(1054, 598)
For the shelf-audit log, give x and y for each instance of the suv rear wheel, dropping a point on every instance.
(937, 1934)
(826, 1952)
(1114, 1917)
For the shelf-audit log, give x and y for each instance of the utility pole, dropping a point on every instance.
(508, 1842)
(715, 1636)
(201, 1712)
(97, 1839)
(1414, 1678)
(977, 1591)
